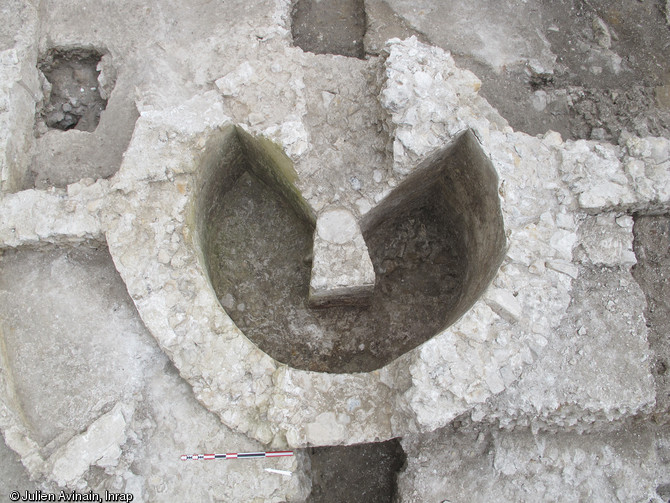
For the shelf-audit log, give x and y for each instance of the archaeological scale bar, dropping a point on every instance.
(236, 455)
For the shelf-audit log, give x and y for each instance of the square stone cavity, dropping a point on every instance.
(72, 93)
(361, 472)
(332, 27)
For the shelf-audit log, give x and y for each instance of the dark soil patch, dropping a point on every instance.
(664, 491)
(364, 472)
(652, 272)
(603, 105)
(75, 101)
(330, 27)
(604, 114)
(587, 96)
(576, 112)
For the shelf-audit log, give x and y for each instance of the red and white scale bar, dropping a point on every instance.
(236, 455)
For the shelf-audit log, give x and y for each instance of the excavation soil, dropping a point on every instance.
(75, 101)
(332, 27)
(365, 472)
(652, 272)
(260, 266)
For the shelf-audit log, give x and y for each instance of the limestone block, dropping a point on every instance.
(593, 370)
(420, 106)
(51, 216)
(608, 240)
(342, 271)
(477, 465)
(19, 92)
(609, 178)
(99, 445)
(504, 304)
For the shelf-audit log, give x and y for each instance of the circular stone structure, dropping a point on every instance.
(436, 242)
(176, 171)
(166, 272)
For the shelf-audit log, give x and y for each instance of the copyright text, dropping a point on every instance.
(68, 496)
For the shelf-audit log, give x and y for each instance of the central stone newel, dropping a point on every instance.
(342, 272)
(334, 291)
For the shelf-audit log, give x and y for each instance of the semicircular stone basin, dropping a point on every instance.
(435, 242)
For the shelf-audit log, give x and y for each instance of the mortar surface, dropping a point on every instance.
(73, 341)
